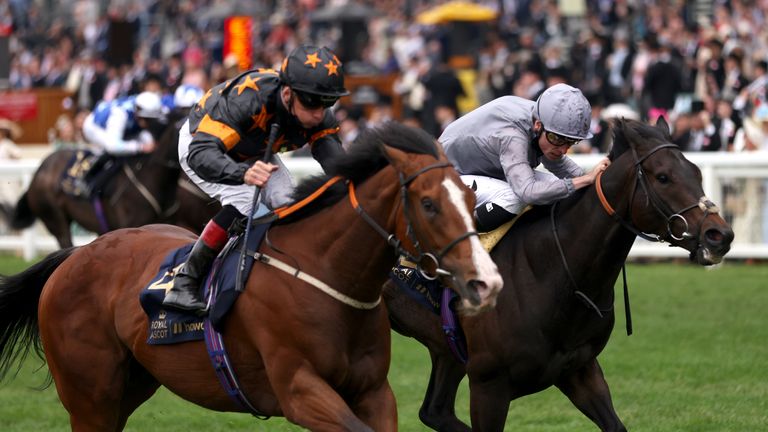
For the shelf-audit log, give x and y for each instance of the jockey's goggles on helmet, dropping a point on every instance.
(314, 101)
(559, 140)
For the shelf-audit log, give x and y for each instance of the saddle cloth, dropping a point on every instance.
(72, 177)
(170, 326)
(438, 299)
(80, 171)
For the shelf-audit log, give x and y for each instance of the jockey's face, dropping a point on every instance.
(552, 150)
(308, 117)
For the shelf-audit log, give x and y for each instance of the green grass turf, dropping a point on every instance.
(698, 362)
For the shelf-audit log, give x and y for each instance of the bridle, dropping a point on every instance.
(704, 203)
(396, 243)
(707, 206)
(391, 239)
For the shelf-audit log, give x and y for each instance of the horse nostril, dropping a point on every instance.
(715, 237)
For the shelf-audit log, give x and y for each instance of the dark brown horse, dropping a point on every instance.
(144, 191)
(559, 264)
(298, 352)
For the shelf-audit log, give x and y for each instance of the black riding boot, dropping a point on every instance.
(185, 293)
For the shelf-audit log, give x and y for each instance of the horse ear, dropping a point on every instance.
(618, 126)
(661, 124)
(396, 157)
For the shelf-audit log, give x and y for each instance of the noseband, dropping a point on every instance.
(396, 243)
(704, 203)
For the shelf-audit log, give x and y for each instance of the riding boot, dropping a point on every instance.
(185, 293)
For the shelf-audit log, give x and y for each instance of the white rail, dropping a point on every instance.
(737, 182)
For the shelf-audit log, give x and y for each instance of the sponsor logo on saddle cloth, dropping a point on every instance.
(170, 326)
(72, 178)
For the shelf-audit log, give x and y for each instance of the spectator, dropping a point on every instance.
(662, 82)
(9, 133)
(754, 135)
(443, 89)
(64, 134)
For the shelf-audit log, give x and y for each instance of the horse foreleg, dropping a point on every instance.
(489, 399)
(378, 409)
(437, 411)
(309, 401)
(588, 391)
(409, 318)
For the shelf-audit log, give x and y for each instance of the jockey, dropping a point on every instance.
(124, 126)
(227, 131)
(497, 147)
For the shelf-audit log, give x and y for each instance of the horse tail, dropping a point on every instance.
(19, 298)
(22, 216)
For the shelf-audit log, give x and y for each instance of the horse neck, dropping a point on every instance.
(159, 172)
(359, 256)
(595, 245)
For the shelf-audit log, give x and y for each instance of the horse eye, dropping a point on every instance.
(662, 178)
(428, 205)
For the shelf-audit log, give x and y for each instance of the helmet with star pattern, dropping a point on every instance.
(315, 74)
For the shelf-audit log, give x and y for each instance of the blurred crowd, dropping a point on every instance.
(701, 65)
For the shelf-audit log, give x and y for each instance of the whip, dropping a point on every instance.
(239, 282)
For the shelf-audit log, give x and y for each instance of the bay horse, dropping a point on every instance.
(298, 352)
(144, 191)
(559, 264)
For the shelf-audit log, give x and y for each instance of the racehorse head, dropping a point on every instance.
(665, 196)
(437, 217)
(407, 187)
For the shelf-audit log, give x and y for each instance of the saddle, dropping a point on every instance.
(170, 326)
(87, 173)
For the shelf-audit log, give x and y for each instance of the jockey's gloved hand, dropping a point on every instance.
(146, 141)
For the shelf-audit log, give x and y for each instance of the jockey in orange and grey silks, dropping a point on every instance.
(223, 141)
(235, 117)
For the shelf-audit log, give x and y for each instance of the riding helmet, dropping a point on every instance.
(314, 70)
(149, 105)
(564, 110)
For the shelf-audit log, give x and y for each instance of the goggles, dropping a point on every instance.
(314, 101)
(559, 140)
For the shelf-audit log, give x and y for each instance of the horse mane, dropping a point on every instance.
(364, 158)
(627, 133)
(622, 127)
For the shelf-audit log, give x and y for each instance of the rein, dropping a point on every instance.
(395, 242)
(391, 239)
(704, 203)
(707, 206)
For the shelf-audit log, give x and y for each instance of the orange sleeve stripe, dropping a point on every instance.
(322, 133)
(226, 134)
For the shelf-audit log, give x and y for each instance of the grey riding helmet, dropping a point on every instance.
(564, 110)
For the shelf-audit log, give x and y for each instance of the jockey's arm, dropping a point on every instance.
(110, 138)
(325, 150)
(207, 157)
(531, 186)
